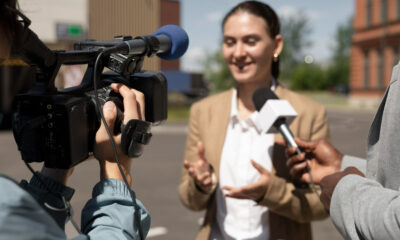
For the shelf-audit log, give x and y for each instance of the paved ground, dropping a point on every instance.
(157, 173)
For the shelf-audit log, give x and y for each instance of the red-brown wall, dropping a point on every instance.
(170, 14)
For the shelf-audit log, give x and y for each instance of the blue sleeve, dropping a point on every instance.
(38, 187)
(21, 216)
(110, 213)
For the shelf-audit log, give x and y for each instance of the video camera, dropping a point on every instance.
(59, 126)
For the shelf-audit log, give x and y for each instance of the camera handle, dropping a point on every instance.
(135, 134)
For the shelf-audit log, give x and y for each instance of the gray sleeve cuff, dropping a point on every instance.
(341, 208)
(111, 187)
(351, 161)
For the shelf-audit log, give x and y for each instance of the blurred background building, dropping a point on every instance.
(375, 48)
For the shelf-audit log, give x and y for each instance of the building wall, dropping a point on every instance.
(375, 46)
(170, 14)
(125, 17)
(45, 14)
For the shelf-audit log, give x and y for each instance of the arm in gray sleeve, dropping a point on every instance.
(350, 161)
(110, 213)
(362, 208)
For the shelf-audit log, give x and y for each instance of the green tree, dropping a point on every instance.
(308, 77)
(339, 70)
(295, 31)
(217, 72)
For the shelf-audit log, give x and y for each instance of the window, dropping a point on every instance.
(366, 69)
(381, 69)
(369, 13)
(384, 11)
(398, 8)
(395, 55)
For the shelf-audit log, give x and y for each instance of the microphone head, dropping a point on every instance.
(261, 95)
(179, 41)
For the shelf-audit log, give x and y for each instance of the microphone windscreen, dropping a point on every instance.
(179, 41)
(261, 95)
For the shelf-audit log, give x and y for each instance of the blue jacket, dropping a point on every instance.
(109, 214)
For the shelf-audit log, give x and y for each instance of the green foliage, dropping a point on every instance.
(308, 77)
(217, 73)
(339, 70)
(295, 31)
(313, 77)
(338, 73)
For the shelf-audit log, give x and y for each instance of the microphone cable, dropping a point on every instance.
(114, 147)
(314, 188)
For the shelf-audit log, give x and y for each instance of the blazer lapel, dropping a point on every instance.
(220, 120)
(280, 92)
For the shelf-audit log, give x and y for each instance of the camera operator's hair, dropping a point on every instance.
(270, 17)
(8, 18)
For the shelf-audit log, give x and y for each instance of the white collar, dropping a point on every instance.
(251, 120)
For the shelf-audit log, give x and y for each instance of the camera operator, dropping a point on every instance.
(31, 211)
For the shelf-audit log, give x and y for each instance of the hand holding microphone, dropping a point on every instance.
(323, 159)
(273, 115)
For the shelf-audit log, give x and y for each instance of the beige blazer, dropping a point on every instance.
(291, 207)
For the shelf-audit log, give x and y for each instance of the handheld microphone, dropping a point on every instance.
(168, 42)
(275, 114)
(278, 112)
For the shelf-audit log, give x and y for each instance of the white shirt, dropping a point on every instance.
(236, 218)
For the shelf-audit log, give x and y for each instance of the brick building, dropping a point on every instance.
(375, 48)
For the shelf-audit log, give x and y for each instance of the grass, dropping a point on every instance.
(178, 114)
(328, 99)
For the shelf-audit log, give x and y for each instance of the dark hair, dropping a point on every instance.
(8, 18)
(265, 12)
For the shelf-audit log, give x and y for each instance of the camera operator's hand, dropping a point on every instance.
(103, 151)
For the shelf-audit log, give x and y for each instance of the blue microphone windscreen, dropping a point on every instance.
(179, 41)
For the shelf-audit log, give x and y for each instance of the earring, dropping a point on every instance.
(276, 57)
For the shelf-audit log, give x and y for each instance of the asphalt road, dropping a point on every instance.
(157, 173)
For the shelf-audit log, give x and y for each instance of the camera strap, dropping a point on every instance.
(135, 134)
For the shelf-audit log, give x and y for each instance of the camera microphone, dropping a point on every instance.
(274, 114)
(168, 42)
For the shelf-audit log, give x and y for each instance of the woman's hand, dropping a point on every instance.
(254, 191)
(201, 171)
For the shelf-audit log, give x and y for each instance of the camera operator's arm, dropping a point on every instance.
(54, 180)
(110, 213)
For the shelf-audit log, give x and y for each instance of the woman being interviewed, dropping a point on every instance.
(233, 169)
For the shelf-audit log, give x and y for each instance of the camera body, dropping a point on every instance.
(59, 126)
